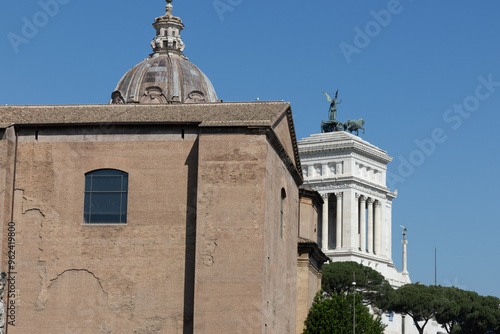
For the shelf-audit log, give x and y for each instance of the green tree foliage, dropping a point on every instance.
(418, 301)
(334, 315)
(466, 312)
(458, 311)
(456, 303)
(338, 278)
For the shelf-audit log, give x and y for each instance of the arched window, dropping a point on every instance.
(282, 213)
(105, 197)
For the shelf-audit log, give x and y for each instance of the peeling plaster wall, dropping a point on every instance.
(201, 251)
(77, 295)
(280, 254)
(80, 278)
(229, 236)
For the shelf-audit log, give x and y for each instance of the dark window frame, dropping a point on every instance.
(105, 197)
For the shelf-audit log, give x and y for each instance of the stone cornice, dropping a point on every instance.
(308, 192)
(341, 142)
(301, 263)
(293, 135)
(392, 195)
(349, 182)
(317, 272)
(360, 254)
(317, 158)
(310, 247)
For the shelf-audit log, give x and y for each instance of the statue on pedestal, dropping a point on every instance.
(332, 124)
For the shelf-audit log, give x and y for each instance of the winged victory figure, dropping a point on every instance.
(332, 115)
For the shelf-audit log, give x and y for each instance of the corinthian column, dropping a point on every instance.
(338, 243)
(370, 225)
(378, 228)
(324, 239)
(362, 222)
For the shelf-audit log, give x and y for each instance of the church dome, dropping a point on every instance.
(166, 76)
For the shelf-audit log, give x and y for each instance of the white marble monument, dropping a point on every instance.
(350, 175)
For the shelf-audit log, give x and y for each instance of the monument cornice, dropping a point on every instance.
(359, 254)
(341, 141)
(350, 182)
(313, 158)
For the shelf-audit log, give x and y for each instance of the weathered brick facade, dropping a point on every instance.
(203, 249)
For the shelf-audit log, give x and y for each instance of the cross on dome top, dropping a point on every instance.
(168, 33)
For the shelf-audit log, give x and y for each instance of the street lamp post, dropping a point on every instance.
(354, 304)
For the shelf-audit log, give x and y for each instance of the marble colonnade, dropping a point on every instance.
(367, 231)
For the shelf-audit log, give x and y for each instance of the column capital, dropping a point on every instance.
(362, 198)
(339, 195)
(378, 203)
(370, 200)
(325, 196)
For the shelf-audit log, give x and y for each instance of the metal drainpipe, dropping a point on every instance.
(11, 219)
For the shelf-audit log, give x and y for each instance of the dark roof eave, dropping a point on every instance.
(305, 191)
(312, 248)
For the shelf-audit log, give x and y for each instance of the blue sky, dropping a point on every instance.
(425, 76)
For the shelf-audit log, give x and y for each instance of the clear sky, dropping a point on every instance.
(425, 76)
